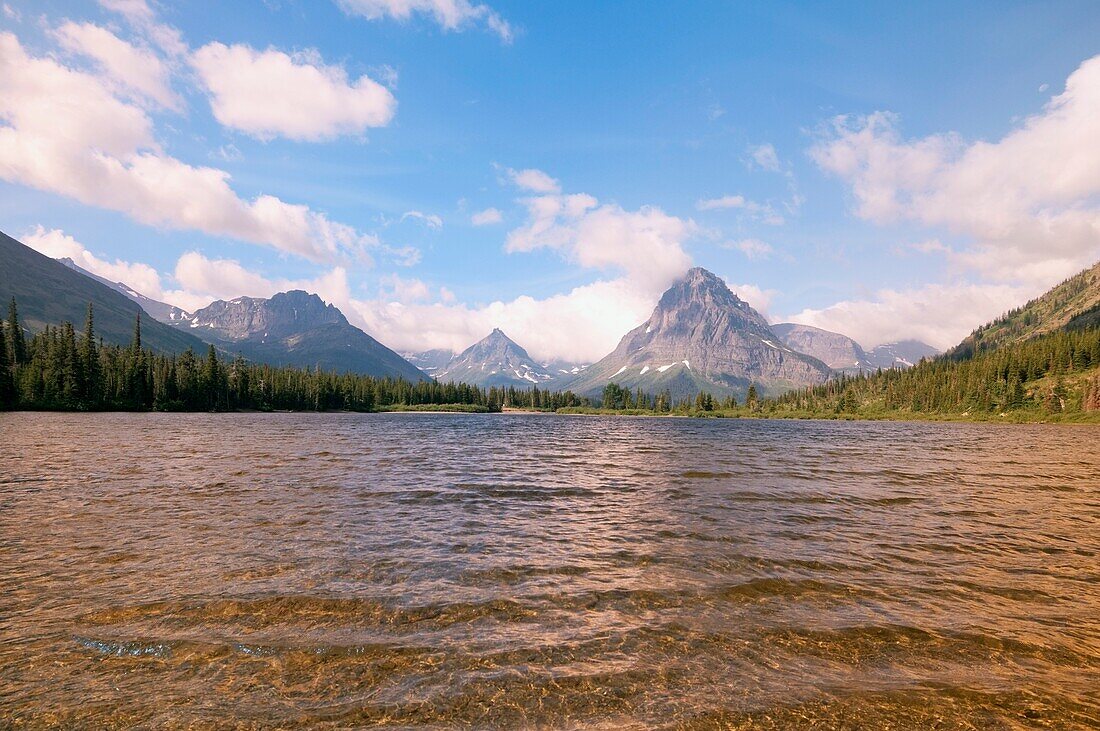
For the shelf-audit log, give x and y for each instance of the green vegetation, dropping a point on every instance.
(1072, 305)
(57, 369)
(51, 293)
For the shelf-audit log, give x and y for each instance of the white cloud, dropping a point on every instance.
(431, 220)
(765, 157)
(646, 244)
(449, 14)
(138, 71)
(752, 248)
(12, 14)
(534, 180)
(938, 314)
(65, 131)
(761, 211)
(270, 94)
(139, 15)
(487, 217)
(588, 321)
(760, 299)
(1027, 202)
(203, 280)
(56, 244)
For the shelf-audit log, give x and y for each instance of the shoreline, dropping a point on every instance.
(1075, 419)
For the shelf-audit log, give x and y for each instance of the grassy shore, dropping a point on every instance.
(436, 408)
(1024, 416)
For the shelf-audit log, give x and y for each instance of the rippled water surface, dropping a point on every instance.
(510, 571)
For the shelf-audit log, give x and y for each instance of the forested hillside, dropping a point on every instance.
(1072, 305)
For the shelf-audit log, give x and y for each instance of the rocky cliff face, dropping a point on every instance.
(837, 351)
(296, 329)
(495, 360)
(701, 336)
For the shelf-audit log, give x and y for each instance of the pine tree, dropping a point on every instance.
(89, 360)
(7, 386)
(751, 398)
(135, 344)
(18, 344)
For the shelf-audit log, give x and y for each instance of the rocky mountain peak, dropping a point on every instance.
(702, 336)
(283, 314)
(495, 360)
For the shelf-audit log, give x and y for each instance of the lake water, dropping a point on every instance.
(526, 571)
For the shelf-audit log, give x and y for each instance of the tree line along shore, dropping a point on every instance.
(1053, 377)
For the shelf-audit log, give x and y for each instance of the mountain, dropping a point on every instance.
(160, 311)
(296, 329)
(902, 354)
(841, 353)
(837, 351)
(495, 360)
(49, 293)
(1072, 305)
(430, 361)
(701, 336)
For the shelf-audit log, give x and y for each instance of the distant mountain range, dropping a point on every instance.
(295, 328)
(702, 337)
(843, 354)
(49, 293)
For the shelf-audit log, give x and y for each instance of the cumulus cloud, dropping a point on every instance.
(1027, 202)
(138, 71)
(449, 14)
(203, 280)
(66, 131)
(760, 299)
(938, 314)
(487, 217)
(56, 244)
(270, 94)
(646, 245)
(534, 180)
(588, 321)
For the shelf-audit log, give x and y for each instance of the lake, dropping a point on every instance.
(531, 571)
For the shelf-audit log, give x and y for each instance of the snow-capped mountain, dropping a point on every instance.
(495, 360)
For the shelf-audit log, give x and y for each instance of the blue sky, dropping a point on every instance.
(874, 168)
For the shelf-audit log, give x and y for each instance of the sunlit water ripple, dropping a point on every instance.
(427, 571)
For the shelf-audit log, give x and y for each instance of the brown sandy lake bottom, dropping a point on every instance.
(340, 571)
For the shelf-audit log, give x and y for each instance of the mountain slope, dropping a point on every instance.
(296, 329)
(1073, 304)
(837, 351)
(701, 336)
(160, 311)
(495, 360)
(49, 293)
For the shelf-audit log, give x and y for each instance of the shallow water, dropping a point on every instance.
(524, 571)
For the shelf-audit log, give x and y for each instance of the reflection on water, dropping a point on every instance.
(335, 571)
